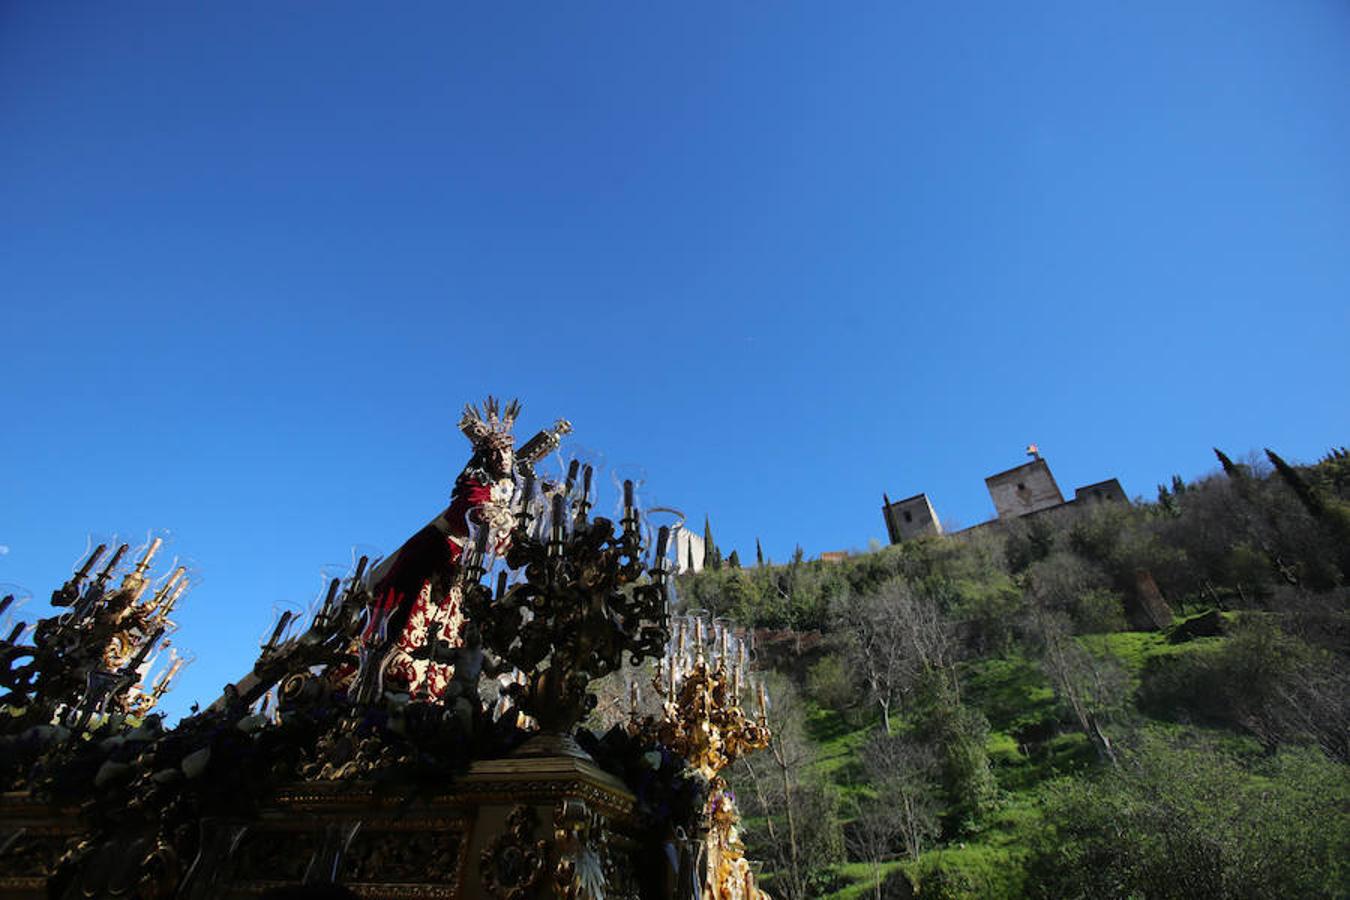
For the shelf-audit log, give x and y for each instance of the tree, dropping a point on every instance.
(1261, 680)
(1087, 686)
(871, 835)
(712, 557)
(1180, 821)
(898, 636)
(1332, 515)
(1168, 501)
(734, 560)
(904, 772)
(1234, 472)
(796, 829)
(759, 555)
(903, 649)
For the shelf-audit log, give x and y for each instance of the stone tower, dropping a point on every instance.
(909, 518)
(1025, 489)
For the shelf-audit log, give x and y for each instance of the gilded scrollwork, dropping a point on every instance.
(513, 866)
(275, 855)
(579, 847)
(403, 856)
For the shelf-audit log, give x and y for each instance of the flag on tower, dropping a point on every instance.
(1033, 451)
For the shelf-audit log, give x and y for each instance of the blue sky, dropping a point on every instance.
(254, 257)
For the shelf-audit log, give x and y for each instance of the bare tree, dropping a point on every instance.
(801, 828)
(904, 773)
(1088, 686)
(899, 637)
(871, 836)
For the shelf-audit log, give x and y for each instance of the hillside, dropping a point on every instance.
(1020, 713)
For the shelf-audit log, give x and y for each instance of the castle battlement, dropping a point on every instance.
(1024, 490)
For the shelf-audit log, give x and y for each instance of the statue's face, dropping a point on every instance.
(501, 460)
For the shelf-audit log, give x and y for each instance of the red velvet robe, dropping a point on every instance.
(408, 591)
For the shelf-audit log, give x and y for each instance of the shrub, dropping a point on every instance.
(1261, 680)
(1193, 822)
(829, 683)
(1099, 611)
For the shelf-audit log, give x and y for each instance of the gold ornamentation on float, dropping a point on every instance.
(700, 681)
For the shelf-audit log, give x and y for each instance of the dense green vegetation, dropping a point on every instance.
(1003, 714)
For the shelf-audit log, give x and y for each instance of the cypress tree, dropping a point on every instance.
(1178, 486)
(712, 558)
(734, 560)
(1311, 501)
(759, 555)
(1237, 475)
(1332, 514)
(1230, 468)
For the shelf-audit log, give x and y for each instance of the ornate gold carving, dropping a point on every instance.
(702, 720)
(729, 875)
(512, 867)
(275, 855)
(403, 856)
(26, 854)
(579, 842)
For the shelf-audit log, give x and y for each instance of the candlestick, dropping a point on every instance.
(276, 632)
(149, 555)
(89, 564)
(173, 598)
(740, 665)
(526, 495)
(556, 532)
(163, 593)
(763, 703)
(328, 608)
(162, 684)
(107, 570)
(630, 519)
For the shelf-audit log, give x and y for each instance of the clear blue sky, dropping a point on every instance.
(254, 257)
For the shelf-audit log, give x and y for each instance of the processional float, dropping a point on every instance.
(364, 747)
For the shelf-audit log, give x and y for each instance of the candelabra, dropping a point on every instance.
(586, 595)
(96, 658)
(700, 680)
